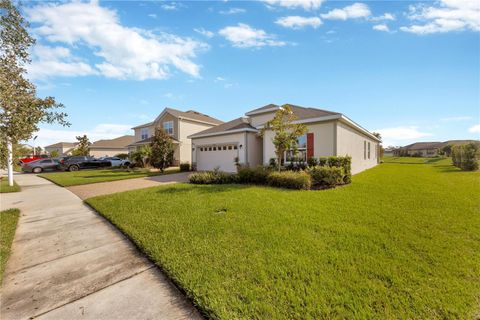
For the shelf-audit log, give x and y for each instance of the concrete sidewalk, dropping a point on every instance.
(103, 188)
(69, 263)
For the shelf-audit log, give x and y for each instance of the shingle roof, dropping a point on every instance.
(147, 141)
(307, 113)
(62, 144)
(239, 123)
(267, 107)
(194, 115)
(456, 142)
(423, 145)
(143, 125)
(120, 142)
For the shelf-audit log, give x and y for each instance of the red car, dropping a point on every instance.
(30, 159)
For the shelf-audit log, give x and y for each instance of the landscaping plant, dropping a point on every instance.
(299, 180)
(162, 150)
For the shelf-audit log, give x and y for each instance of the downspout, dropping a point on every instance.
(335, 141)
(246, 148)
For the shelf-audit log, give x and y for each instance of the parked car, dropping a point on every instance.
(117, 162)
(41, 165)
(82, 162)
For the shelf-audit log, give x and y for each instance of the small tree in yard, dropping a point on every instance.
(54, 154)
(162, 150)
(83, 146)
(142, 155)
(20, 109)
(381, 150)
(286, 132)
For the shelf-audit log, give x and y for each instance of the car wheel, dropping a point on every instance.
(126, 164)
(73, 168)
(37, 170)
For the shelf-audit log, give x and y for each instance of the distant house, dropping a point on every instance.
(111, 147)
(62, 148)
(427, 149)
(179, 125)
(329, 134)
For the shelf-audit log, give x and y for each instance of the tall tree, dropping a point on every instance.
(20, 109)
(83, 146)
(162, 150)
(381, 150)
(286, 132)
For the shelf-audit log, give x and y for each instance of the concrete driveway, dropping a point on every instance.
(99, 189)
(67, 262)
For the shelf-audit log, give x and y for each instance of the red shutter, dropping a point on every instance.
(309, 145)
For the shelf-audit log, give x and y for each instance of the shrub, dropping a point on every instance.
(256, 175)
(312, 162)
(322, 161)
(327, 176)
(212, 177)
(290, 179)
(467, 156)
(184, 166)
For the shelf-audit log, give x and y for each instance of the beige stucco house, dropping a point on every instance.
(180, 125)
(111, 147)
(62, 148)
(329, 134)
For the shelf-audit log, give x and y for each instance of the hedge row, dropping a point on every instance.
(467, 156)
(334, 171)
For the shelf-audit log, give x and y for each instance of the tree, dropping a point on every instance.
(83, 146)
(286, 132)
(142, 155)
(20, 109)
(54, 154)
(162, 150)
(18, 150)
(446, 150)
(381, 150)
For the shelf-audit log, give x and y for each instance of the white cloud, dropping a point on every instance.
(400, 135)
(233, 11)
(354, 11)
(292, 4)
(124, 53)
(474, 129)
(297, 22)
(153, 15)
(218, 79)
(203, 32)
(170, 6)
(449, 15)
(244, 36)
(383, 17)
(456, 119)
(381, 27)
(47, 136)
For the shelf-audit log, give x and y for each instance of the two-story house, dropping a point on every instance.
(179, 125)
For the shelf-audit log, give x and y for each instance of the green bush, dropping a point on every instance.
(322, 161)
(327, 176)
(212, 177)
(312, 162)
(184, 167)
(290, 179)
(256, 175)
(466, 157)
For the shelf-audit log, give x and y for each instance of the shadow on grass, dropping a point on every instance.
(203, 188)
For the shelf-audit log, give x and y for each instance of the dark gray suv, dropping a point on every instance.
(39, 166)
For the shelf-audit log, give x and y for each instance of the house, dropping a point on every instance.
(428, 149)
(180, 125)
(110, 147)
(329, 134)
(62, 148)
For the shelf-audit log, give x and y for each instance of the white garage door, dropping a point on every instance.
(210, 157)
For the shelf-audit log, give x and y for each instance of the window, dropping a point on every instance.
(235, 147)
(46, 161)
(229, 147)
(209, 148)
(224, 147)
(214, 148)
(201, 149)
(144, 133)
(369, 150)
(364, 150)
(301, 154)
(168, 126)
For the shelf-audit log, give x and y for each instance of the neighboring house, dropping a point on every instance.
(180, 125)
(329, 134)
(111, 147)
(62, 148)
(427, 149)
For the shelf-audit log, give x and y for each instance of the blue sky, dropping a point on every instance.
(407, 69)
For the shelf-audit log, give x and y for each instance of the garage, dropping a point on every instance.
(211, 156)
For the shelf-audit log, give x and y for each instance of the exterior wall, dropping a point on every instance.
(260, 119)
(165, 118)
(234, 139)
(62, 151)
(351, 142)
(187, 128)
(254, 149)
(138, 132)
(323, 141)
(106, 152)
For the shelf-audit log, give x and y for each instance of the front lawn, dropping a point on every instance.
(75, 178)
(5, 188)
(8, 224)
(402, 241)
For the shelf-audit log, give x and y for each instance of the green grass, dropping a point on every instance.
(8, 224)
(401, 242)
(414, 160)
(75, 178)
(5, 188)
